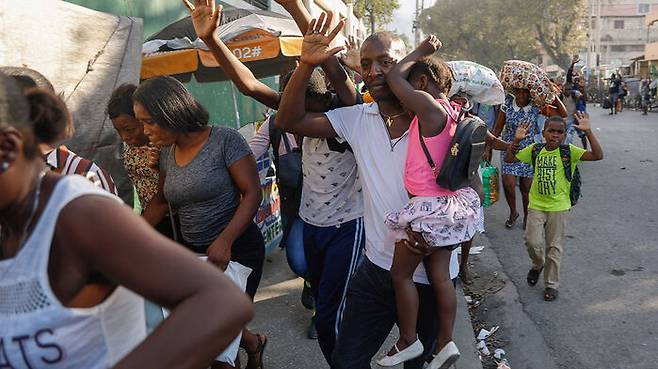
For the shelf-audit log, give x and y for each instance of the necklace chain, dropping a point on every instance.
(30, 218)
(388, 119)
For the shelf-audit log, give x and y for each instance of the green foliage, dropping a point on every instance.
(490, 32)
(375, 13)
(561, 29)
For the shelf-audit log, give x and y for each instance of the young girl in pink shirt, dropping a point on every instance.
(435, 220)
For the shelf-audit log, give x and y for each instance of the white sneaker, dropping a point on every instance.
(411, 352)
(446, 357)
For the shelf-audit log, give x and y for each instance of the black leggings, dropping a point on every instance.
(248, 250)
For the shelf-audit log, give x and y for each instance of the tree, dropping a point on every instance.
(560, 29)
(484, 32)
(375, 13)
(490, 32)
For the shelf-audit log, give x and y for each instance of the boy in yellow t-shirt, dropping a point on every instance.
(550, 196)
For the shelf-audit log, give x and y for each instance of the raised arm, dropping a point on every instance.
(292, 115)
(206, 19)
(333, 69)
(513, 148)
(596, 153)
(420, 102)
(575, 60)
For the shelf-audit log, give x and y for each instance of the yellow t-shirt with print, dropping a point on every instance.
(550, 189)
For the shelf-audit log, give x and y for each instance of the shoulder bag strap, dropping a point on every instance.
(275, 138)
(565, 156)
(286, 142)
(536, 149)
(425, 150)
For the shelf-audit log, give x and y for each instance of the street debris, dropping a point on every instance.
(484, 334)
(503, 365)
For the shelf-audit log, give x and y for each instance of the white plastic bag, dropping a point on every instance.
(239, 274)
(477, 81)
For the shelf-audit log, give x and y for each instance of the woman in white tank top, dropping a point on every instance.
(73, 261)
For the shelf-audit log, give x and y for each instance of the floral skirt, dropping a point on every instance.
(442, 220)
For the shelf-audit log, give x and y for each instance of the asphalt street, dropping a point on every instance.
(606, 315)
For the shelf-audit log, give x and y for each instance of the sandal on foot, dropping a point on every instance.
(533, 276)
(255, 359)
(446, 357)
(550, 294)
(410, 352)
(509, 223)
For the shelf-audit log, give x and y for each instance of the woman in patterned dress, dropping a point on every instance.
(519, 109)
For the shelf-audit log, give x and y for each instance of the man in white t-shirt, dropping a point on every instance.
(377, 132)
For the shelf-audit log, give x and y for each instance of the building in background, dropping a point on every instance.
(618, 32)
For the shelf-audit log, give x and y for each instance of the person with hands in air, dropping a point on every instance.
(73, 260)
(332, 211)
(377, 132)
(516, 110)
(550, 194)
(445, 218)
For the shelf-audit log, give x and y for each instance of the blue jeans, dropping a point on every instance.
(370, 314)
(293, 242)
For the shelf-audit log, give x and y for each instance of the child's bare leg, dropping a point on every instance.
(525, 184)
(464, 272)
(406, 296)
(444, 292)
(509, 185)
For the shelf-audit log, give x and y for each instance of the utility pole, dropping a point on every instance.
(416, 28)
(598, 49)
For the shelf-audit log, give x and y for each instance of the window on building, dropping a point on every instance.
(618, 48)
(636, 48)
(643, 8)
(262, 4)
(619, 24)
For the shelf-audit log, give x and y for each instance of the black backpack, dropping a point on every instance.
(573, 178)
(460, 165)
(288, 171)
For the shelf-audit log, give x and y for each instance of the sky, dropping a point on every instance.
(403, 17)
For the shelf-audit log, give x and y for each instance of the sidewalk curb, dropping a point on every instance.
(526, 347)
(463, 335)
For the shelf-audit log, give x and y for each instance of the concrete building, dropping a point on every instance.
(618, 32)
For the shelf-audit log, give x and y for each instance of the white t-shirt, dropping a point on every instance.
(331, 193)
(380, 162)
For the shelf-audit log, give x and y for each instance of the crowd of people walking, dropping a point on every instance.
(367, 224)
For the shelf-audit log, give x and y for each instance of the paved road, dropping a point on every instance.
(607, 313)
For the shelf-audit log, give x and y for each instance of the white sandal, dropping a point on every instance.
(410, 352)
(446, 357)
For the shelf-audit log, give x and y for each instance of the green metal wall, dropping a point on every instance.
(217, 97)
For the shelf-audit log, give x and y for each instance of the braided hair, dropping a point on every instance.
(436, 69)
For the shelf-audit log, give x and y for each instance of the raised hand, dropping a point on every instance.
(583, 122)
(205, 17)
(285, 3)
(352, 55)
(521, 132)
(315, 48)
(429, 46)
